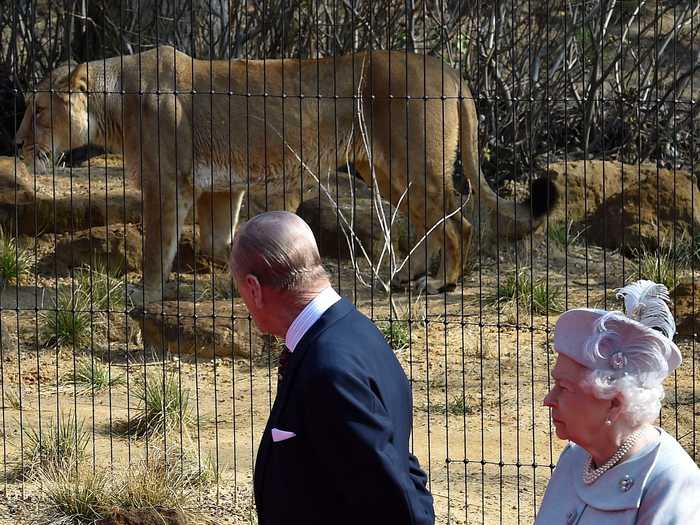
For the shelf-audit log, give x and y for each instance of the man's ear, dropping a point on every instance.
(255, 289)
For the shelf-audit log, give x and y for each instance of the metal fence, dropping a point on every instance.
(360, 117)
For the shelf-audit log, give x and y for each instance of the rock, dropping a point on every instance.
(654, 204)
(116, 248)
(581, 188)
(27, 297)
(147, 516)
(646, 215)
(208, 329)
(64, 200)
(190, 258)
(13, 175)
(328, 226)
(686, 301)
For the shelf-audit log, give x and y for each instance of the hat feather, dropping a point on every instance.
(646, 303)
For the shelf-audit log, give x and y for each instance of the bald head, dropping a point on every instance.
(279, 249)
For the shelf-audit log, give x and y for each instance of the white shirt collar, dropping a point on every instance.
(309, 315)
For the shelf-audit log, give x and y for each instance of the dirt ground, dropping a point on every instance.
(478, 376)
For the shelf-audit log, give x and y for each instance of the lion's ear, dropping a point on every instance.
(78, 79)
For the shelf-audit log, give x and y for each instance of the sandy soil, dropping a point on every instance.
(478, 375)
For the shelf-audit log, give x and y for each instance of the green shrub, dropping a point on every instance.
(515, 289)
(396, 333)
(661, 267)
(104, 289)
(564, 234)
(70, 324)
(163, 406)
(92, 375)
(73, 497)
(15, 261)
(61, 444)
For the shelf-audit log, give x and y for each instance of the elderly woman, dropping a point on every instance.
(618, 468)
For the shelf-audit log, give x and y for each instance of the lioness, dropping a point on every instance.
(206, 131)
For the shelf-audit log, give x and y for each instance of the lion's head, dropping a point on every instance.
(56, 118)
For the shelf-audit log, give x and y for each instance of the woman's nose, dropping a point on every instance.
(548, 400)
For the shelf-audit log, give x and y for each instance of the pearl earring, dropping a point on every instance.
(608, 422)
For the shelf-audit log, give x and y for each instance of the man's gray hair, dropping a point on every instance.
(278, 248)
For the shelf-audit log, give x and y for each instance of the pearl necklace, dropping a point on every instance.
(590, 474)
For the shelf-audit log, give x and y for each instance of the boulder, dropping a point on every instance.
(69, 200)
(583, 186)
(325, 222)
(206, 328)
(13, 175)
(117, 247)
(641, 208)
(190, 258)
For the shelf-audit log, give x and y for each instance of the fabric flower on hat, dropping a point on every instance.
(637, 342)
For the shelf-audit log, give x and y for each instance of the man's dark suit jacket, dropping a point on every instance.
(347, 399)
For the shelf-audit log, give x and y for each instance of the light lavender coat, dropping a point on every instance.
(661, 486)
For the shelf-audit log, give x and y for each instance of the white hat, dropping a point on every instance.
(637, 342)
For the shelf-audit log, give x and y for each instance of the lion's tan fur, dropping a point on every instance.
(206, 131)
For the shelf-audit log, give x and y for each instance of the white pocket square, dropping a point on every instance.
(281, 435)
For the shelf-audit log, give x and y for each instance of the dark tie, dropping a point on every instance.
(283, 360)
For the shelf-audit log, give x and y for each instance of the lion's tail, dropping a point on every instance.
(514, 220)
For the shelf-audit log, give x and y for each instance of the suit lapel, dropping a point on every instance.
(329, 317)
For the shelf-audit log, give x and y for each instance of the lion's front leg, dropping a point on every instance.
(166, 206)
(456, 240)
(414, 268)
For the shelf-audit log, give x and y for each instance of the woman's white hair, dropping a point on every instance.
(639, 382)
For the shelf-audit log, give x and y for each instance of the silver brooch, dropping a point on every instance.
(618, 361)
(626, 483)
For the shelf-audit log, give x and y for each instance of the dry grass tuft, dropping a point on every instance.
(60, 445)
(164, 406)
(92, 375)
(166, 482)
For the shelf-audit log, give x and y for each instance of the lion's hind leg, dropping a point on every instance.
(442, 235)
(217, 217)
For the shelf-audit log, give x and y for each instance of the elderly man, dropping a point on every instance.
(335, 448)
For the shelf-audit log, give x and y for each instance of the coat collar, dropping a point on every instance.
(626, 481)
(336, 312)
(309, 315)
